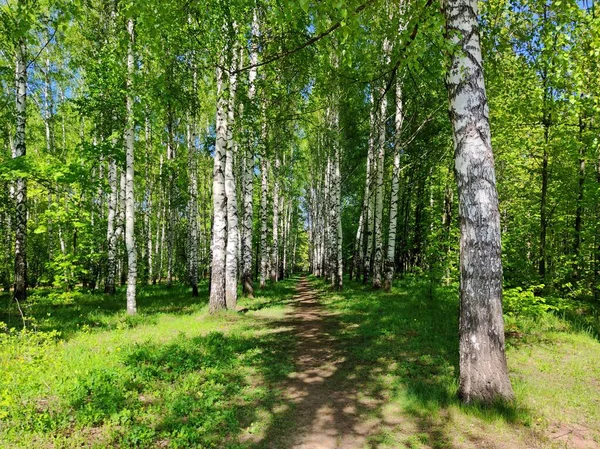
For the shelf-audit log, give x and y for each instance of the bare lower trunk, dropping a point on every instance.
(129, 172)
(379, 169)
(148, 196)
(391, 249)
(20, 194)
(368, 201)
(483, 368)
(248, 174)
(193, 208)
(231, 262)
(111, 232)
(275, 249)
(219, 241)
(263, 220)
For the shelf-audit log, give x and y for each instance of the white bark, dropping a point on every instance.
(192, 207)
(275, 249)
(248, 173)
(264, 256)
(338, 208)
(148, 196)
(20, 193)
(379, 169)
(390, 256)
(231, 268)
(129, 173)
(369, 199)
(219, 240)
(111, 233)
(482, 362)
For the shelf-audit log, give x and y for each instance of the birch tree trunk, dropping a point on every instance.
(148, 196)
(368, 200)
(231, 262)
(193, 207)
(20, 193)
(129, 172)
(338, 206)
(219, 240)
(263, 219)
(111, 233)
(483, 369)
(391, 249)
(121, 222)
(275, 249)
(379, 169)
(248, 174)
(170, 197)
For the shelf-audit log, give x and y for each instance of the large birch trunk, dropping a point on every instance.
(391, 249)
(483, 368)
(129, 172)
(20, 193)
(231, 262)
(219, 240)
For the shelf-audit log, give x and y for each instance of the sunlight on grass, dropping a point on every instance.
(86, 375)
(404, 346)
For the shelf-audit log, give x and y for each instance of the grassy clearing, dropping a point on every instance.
(402, 347)
(171, 377)
(89, 376)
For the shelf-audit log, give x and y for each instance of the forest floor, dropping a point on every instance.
(301, 368)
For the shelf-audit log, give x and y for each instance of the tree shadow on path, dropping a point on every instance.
(378, 372)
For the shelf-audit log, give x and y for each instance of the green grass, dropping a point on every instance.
(172, 376)
(86, 375)
(402, 346)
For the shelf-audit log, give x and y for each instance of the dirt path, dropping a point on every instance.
(325, 410)
(335, 408)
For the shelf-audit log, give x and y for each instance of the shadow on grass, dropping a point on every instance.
(273, 295)
(72, 311)
(342, 361)
(384, 370)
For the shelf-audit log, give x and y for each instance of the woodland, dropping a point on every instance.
(299, 224)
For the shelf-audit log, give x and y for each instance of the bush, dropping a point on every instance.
(524, 302)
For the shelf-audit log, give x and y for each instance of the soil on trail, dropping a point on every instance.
(332, 405)
(328, 413)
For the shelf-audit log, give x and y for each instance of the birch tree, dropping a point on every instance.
(231, 268)
(275, 248)
(264, 255)
(20, 192)
(391, 249)
(219, 240)
(248, 173)
(379, 169)
(129, 172)
(483, 369)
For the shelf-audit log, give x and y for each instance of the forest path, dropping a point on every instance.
(327, 411)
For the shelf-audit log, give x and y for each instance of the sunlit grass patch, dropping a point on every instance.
(173, 376)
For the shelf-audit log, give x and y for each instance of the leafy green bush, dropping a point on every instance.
(524, 302)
